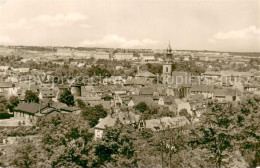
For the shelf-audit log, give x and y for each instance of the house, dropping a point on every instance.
(198, 109)
(138, 99)
(212, 76)
(206, 90)
(108, 121)
(72, 110)
(90, 97)
(163, 123)
(146, 92)
(147, 57)
(81, 65)
(24, 70)
(225, 95)
(4, 70)
(145, 74)
(136, 82)
(106, 104)
(58, 105)
(251, 87)
(183, 105)
(7, 89)
(46, 93)
(125, 118)
(166, 100)
(123, 56)
(101, 55)
(128, 118)
(27, 111)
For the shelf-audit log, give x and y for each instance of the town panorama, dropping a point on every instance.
(116, 102)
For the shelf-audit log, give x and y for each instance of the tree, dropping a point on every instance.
(116, 148)
(31, 96)
(13, 102)
(67, 98)
(185, 113)
(218, 131)
(142, 107)
(93, 114)
(249, 133)
(81, 104)
(66, 140)
(3, 112)
(25, 154)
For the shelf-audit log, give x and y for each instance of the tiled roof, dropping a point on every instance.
(168, 99)
(31, 108)
(70, 109)
(103, 122)
(128, 117)
(163, 123)
(148, 100)
(58, 105)
(145, 74)
(201, 88)
(6, 84)
(146, 91)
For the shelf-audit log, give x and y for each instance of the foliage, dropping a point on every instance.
(142, 107)
(154, 68)
(93, 114)
(13, 102)
(249, 133)
(3, 112)
(185, 113)
(116, 147)
(188, 66)
(67, 98)
(156, 112)
(26, 155)
(98, 71)
(66, 138)
(81, 104)
(218, 131)
(227, 135)
(31, 96)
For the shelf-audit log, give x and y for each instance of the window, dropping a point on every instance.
(167, 69)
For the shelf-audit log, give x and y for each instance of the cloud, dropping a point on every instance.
(84, 25)
(249, 32)
(5, 40)
(60, 19)
(20, 24)
(56, 20)
(2, 2)
(114, 40)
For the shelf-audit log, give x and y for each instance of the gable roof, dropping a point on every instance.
(6, 85)
(146, 91)
(138, 99)
(201, 88)
(169, 99)
(4, 68)
(145, 74)
(108, 121)
(163, 123)
(128, 117)
(31, 108)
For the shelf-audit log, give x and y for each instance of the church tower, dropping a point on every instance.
(169, 54)
(167, 65)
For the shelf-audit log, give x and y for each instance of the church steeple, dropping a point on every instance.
(169, 49)
(169, 54)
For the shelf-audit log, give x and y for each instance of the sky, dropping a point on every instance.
(220, 25)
